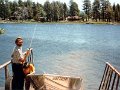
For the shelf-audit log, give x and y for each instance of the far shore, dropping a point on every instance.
(61, 22)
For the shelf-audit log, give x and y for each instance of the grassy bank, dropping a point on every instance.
(61, 22)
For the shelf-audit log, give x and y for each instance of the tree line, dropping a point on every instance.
(99, 10)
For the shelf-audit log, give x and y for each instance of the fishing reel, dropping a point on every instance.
(26, 65)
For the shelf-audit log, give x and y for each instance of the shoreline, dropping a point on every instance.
(59, 22)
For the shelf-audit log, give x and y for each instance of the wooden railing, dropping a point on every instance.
(110, 79)
(5, 66)
(7, 75)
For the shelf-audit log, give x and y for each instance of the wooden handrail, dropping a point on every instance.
(5, 64)
(110, 79)
(7, 75)
(115, 70)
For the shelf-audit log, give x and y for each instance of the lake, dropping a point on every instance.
(79, 50)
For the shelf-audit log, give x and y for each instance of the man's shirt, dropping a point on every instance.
(17, 55)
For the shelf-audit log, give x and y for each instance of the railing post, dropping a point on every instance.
(101, 84)
(113, 81)
(117, 83)
(6, 72)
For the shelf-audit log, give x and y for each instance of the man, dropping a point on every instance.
(18, 58)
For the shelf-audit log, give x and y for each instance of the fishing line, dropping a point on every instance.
(33, 36)
(30, 58)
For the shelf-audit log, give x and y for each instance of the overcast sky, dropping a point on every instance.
(79, 2)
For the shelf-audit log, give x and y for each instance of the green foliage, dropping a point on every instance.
(96, 9)
(106, 10)
(87, 8)
(65, 11)
(2, 30)
(101, 10)
(20, 3)
(40, 11)
(48, 10)
(74, 11)
(55, 10)
(117, 12)
(2, 10)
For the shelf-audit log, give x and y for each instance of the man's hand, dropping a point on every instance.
(28, 52)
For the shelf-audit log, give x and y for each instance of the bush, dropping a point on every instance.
(2, 30)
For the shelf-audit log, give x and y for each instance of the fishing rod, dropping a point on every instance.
(30, 57)
(33, 36)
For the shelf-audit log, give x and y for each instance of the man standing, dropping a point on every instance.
(18, 58)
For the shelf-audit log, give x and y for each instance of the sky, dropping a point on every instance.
(79, 2)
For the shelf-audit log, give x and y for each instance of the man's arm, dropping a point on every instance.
(22, 58)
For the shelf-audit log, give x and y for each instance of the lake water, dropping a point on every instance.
(66, 49)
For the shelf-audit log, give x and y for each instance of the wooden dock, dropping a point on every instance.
(110, 79)
(45, 81)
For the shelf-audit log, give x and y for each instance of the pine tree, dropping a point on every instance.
(39, 12)
(117, 12)
(47, 8)
(74, 10)
(87, 8)
(7, 9)
(114, 7)
(29, 7)
(20, 3)
(96, 9)
(108, 11)
(65, 8)
(55, 11)
(2, 9)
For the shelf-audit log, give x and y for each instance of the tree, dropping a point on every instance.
(96, 9)
(13, 6)
(47, 8)
(2, 9)
(39, 11)
(7, 9)
(103, 8)
(74, 11)
(65, 11)
(83, 16)
(87, 8)
(20, 3)
(29, 7)
(55, 11)
(108, 11)
(61, 9)
(114, 8)
(117, 12)
(34, 8)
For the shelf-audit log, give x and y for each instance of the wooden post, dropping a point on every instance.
(101, 84)
(113, 81)
(117, 83)
(110, 80)
(6, 72)
(105, 77)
